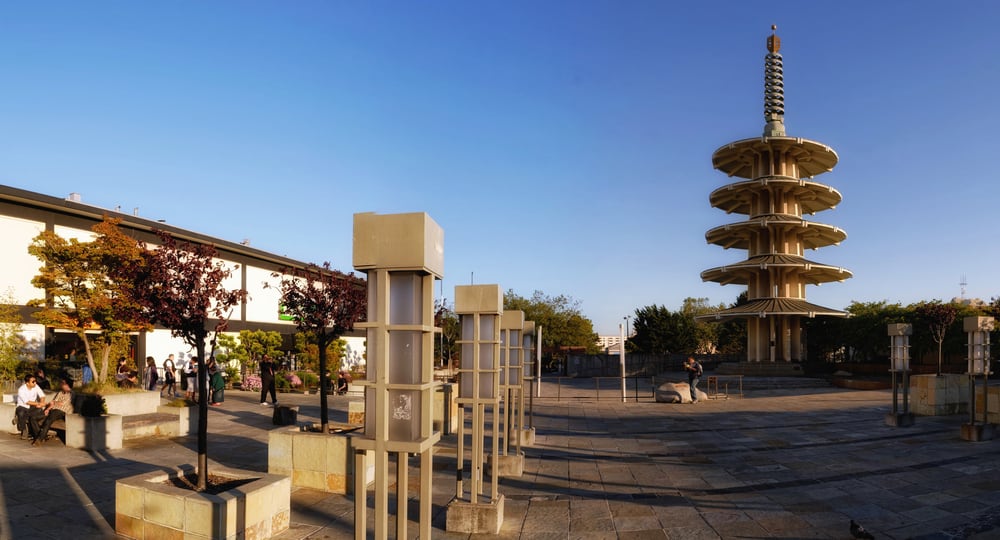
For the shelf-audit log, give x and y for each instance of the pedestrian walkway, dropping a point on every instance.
(782, 463)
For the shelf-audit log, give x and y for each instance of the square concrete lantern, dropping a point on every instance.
(899, 353)
(510, 461)
(979, 329)
(527, 432)
(479, 308)
(402, 255)
(398, 242)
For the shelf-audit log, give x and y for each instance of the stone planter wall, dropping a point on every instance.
(187, 420)
(993, 404)
(146, 507)
(131, 403)
(94, 433)
(315, 460)
(939, 396)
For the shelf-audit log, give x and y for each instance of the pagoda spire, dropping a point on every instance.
(774, 87)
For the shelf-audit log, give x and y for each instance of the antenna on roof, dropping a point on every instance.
(962, 284)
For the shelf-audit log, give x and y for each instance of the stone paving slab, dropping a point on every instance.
(786, 463)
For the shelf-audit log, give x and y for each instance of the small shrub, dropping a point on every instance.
(252, 382)
(309, 379)
(282, 382)
(92, 405)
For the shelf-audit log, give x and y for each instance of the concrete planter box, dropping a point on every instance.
(94, 433)
(446, 407)
(315, 460)
(130, 403)
(187, 420)
(939, 396)
(146, 507)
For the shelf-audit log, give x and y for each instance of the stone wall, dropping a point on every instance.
(939, 396)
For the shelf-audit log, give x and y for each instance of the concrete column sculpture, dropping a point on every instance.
(527, 433)
(979, 329)
(899, 351)
(401, 254)
(510, 460)
(479, 308)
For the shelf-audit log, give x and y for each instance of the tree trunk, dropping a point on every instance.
(940, 343)
(324, 416)
(202, 377)
(90, 356)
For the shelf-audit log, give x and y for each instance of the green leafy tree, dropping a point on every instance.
(88, 288)
(446, 348)
(563, 324)
(12, 344)
(705, 333)
(657, 330)
(324, 303)
(307, 351)
(256, 343)
(181, 287)
(731, 334)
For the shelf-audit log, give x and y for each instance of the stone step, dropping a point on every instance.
(147, 425)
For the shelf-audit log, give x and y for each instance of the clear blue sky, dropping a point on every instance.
(563, 146)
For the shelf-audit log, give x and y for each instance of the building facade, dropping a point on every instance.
(25, 214)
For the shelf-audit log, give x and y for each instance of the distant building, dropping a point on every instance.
(609, 343)
(24, 214)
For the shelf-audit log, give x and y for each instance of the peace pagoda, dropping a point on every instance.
(774, 191)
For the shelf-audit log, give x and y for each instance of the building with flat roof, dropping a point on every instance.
(25, 214)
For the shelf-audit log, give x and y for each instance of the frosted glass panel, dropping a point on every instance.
(514, 359)
(405, 296)
(372, 354)
(486, 386)
(467, 350)
(404, 415)
(468, 327)
(465, 385)
(370, 415)
(487, 325)
(404, 357)
(372, 298)
(486, 356)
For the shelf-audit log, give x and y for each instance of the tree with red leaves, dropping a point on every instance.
(181, 287)
(939, 317)
(324, 303)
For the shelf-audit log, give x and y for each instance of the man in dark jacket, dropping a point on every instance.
(694, 370)
(267, 381)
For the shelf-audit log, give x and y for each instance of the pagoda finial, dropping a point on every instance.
(774, 87)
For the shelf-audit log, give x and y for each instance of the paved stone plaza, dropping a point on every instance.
(794, 463)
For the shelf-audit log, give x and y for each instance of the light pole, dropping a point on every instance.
(627, 334)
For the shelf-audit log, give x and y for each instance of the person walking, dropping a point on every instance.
(217, 384)
(169, 378)
(267, 381)
(694, 370)
(150, 375)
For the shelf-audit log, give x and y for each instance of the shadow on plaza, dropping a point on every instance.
(58, 502)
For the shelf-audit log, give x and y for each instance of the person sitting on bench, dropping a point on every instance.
(30, 400)
(57, 409)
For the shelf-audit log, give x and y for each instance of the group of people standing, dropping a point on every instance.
(33, 416)
(188, 376)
